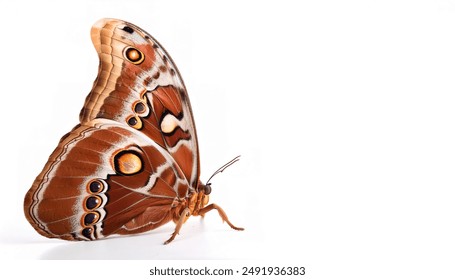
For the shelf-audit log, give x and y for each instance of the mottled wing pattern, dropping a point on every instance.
(100, 177)
(133, 156)
(138, 85)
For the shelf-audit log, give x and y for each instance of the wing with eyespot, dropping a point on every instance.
(102, 179)
(139, 85)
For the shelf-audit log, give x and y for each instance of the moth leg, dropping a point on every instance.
(221, 212)
(185, 214)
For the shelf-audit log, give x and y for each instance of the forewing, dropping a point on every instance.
(138, 85)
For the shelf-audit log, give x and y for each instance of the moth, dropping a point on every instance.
(132, 163)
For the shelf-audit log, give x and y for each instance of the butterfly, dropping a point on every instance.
(132, 163)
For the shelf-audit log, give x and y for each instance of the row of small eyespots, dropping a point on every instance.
(140, 110)
(92, 202)
(134, 56)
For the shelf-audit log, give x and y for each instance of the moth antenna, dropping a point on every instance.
(222, 168)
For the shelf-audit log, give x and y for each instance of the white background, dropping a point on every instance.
(343, 112)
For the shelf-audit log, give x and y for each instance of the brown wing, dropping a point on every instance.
(104, 178)
(133, 155)
(138, 85)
